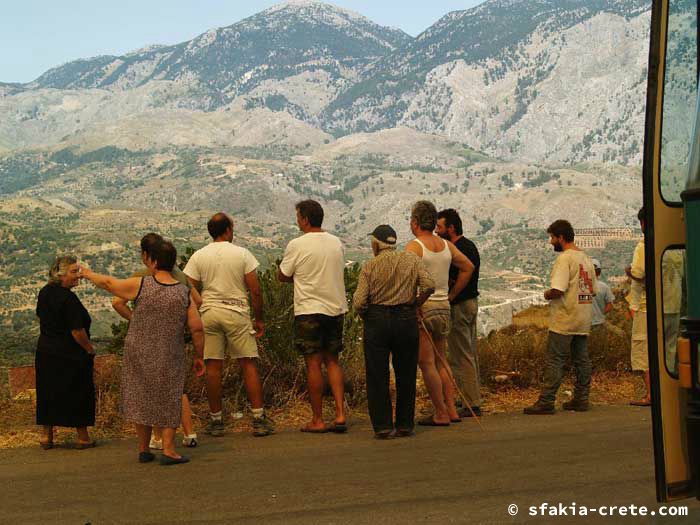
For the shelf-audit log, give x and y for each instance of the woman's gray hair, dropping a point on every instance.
(60, 267)
(425, 214)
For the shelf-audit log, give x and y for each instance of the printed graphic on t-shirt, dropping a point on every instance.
(585, 286)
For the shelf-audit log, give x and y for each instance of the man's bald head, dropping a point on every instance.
(219, 224)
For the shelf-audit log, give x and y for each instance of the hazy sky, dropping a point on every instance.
(36, 35)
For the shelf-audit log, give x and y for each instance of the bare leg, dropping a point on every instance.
(431, 378)
(187, 426)
(214, 367)
(447, 386)
(144, 434)
(83, 436)
(314, 379)
(158, 433)
(169, 443)
(251, 379)
(336, 380)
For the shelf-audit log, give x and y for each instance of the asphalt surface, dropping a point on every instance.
(454, 475)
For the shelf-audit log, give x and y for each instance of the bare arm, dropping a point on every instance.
(628, 271)
(426, 284)
(194, 323)
(465, 267)
(83, 340)
(253, 285)
(194, 293)
(360, 299)
(121, 306)
(414, 247)
(552, 294)
(608, 308)
(125, 288)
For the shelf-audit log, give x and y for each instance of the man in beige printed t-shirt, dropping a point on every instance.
(571, 309)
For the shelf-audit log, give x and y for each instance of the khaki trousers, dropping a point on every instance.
(462, 353)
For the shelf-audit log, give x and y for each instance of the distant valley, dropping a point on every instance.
(516, 112)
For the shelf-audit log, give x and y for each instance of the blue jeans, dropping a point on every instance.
(391, 330)
(559, 347)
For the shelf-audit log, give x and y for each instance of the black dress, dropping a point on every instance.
(65, 391)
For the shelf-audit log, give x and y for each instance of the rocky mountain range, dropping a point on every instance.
(535, 80)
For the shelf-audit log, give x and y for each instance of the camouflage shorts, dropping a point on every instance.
(317, 332)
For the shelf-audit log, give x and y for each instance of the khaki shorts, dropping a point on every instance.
(224, 328)
(436, 317)
(639, 354)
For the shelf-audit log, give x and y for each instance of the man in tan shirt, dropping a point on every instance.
(571, 310)
(390, 289)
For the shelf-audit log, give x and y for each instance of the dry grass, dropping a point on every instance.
(517, 349)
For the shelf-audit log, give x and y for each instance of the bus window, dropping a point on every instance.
(674, 303)
(680, 82)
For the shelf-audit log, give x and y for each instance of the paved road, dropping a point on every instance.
(455, 475)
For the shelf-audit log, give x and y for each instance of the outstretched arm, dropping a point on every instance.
(125, 288)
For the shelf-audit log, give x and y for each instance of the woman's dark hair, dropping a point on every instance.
(562, 228)
(148, 241)
(164, 255)
(311, 211)
(452, 218)
(218, 225)
(642, 215)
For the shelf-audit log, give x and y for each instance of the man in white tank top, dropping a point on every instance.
(437, 254)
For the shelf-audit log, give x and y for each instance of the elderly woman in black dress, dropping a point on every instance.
(154, 364)
(65, 391)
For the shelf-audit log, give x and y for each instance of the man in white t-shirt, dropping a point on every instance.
(226, 273)
(315, 263)
(571, 295)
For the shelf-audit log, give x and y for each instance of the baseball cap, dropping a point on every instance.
(596, 264)
(384, 233)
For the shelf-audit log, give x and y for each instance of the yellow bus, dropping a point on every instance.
(671, 181)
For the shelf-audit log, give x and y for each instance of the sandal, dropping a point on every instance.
(168, 461)
(428, 421)
(310, 430)
(80, 445)
(338, 428)
(640, 403)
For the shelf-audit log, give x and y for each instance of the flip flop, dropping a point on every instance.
(308, 430)
(338, 428)
(429, 422)
(167, 460)
(146, 457)
(458, 420)
(640, 403)
(83, 446)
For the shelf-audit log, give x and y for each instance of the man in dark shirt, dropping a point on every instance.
(461, 343)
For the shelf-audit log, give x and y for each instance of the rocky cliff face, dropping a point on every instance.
(534, 80)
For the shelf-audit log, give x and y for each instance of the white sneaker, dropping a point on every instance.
(190, 441)
(156, 444)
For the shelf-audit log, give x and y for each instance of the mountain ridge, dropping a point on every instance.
(501, 76)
